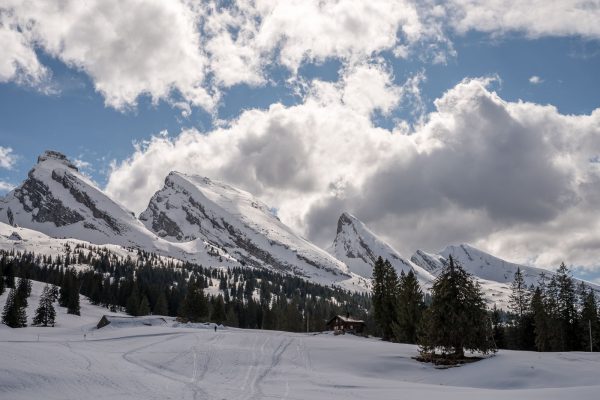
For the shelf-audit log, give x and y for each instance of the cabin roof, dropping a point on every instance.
(347, 319)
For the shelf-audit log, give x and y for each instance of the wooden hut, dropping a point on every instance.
(340, 324)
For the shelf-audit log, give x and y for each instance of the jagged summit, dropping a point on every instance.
(358, 247)
(55, 156)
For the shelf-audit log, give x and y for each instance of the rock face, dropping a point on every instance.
(358, 247)
(193, 207)
(58, 200)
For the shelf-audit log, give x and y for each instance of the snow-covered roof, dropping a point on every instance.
(348, 319)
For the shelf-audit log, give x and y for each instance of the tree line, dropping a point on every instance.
(555, 315)
(239, 297)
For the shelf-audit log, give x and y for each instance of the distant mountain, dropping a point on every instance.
(193, 207)
(358, 247)
(494, 274)
(59, 201)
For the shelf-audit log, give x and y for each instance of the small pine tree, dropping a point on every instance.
(14, 314)
(409, 309)
(144, 307)
(133, 301)
(45, 313)
(161, 307)
(23, 291)
(541, 320)
(589, 320)
(218, 312)
(195, 306)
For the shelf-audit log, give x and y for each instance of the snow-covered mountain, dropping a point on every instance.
(193, 207)
(358, 247)
(494, 274)
(60, 202)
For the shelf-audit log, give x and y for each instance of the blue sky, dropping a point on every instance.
(417, 76)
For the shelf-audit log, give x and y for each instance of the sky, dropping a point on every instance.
(433, 122)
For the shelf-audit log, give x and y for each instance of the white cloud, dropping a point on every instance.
(512, 177)
(535, 18)
(6, 186)
(187, 52)
(7, 158)
(128, 48)
(535, 80)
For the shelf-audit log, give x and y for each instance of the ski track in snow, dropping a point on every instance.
(165, 362)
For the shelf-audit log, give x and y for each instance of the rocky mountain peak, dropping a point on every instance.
(51, 155)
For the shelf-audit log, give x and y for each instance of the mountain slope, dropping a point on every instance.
(494, 274)
(58, 201)
(192, 207)
(358, 247)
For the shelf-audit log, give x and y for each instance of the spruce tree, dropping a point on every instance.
(144, 307)
(161, 307)
(14, 314)
(409, 309)
(457, 318)
(567, 314)
(541, 320)
(218, 312)
(385, 291)
(23, 291)
(195, 306)
(589, 320)
(73, 294)
(519, 302)
(133, 302)
(45, 314)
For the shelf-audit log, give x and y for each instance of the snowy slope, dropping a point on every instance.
(358, 247)
(180, 362)
(192, 207)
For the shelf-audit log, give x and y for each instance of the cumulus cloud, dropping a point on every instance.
(536, 18)
(512, 177)
(186, 52)
(128, 48)
(7, 157)
(535, 80)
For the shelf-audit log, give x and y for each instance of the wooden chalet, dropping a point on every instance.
(340, 324)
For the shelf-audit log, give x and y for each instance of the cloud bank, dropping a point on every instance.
(187, 52)
(516, 178)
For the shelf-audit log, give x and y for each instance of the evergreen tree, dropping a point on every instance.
(72, 293)
(2, 285)
(218, 312)
(45, 313)
(385, 291)
(144, 307)
(133, 301)
(498, 329)
(14, 314)
(519, 302)
(589, 320)
(457, 318)
(23, 291)
(409, 309)
(161, 306)
(566, 310)
(541, 320)
(195, 306)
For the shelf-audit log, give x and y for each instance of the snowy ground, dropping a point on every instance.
(165, 362)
